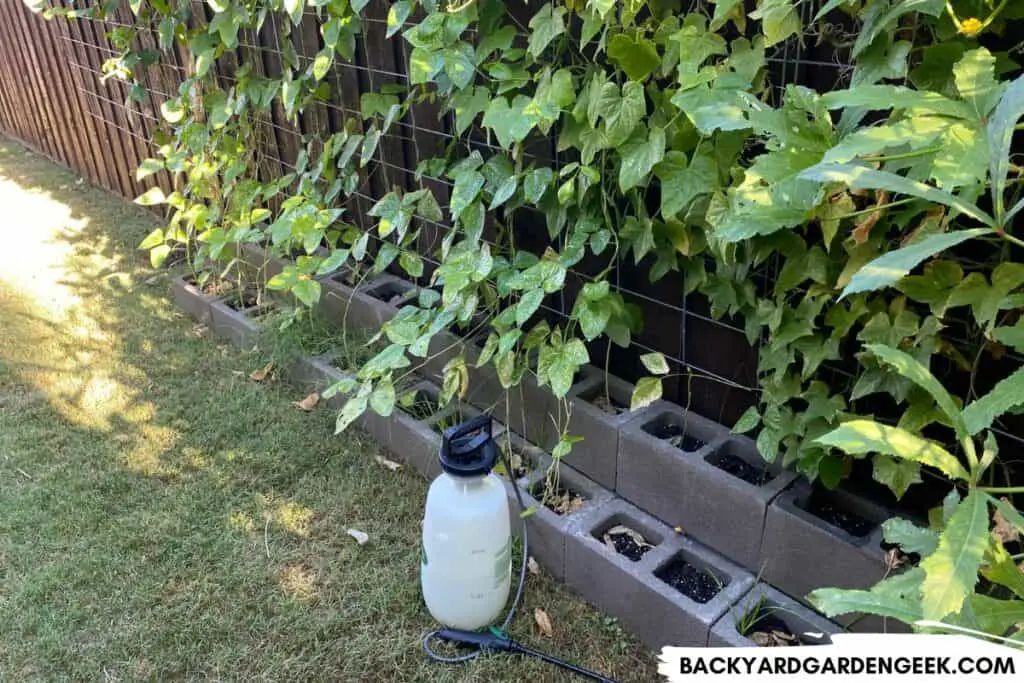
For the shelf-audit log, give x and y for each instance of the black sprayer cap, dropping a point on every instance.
(468, 450)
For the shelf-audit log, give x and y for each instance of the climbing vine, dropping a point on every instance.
(883, 208)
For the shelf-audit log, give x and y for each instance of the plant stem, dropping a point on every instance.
(1001, 489)
(992, 17)
(952, 15)
(872, 209)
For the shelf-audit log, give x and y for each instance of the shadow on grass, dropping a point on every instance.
(162, 516)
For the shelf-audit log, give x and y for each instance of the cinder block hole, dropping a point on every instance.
(626, 536)
(558, 497)
(524, 460)
(672, 428)
(769, 624)
(691, 577)
(730, 459)
(261, 312)
(392, 292)
(837, 512)
(212, 286)
(420, 405)
(243, 300)
(608, 398)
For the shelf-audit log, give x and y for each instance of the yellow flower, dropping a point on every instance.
(971, 27)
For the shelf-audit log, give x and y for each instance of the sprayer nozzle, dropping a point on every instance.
(490, 641)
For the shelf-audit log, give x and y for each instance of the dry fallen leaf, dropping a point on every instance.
(894, 559)
(1004, 530)
(774, 638)
(543, 621)
(262, 374)
(361, 536)
(678, 530)
(390, 464)
(532, 566)
(307, 404)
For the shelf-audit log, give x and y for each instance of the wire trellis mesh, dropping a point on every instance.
(714, 367)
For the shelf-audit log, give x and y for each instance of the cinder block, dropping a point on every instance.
(774, 607)
(597, 454)
(801, 551)
(241, 328)
(191, 300)
(547, 530)
(689, 489)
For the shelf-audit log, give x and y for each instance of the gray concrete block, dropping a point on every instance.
(191, 300)
(547, 530)
(241, 328)
(809, 626)
(598, 453)
(801, 552)
(367, 306)
(690, 490)
(655, 611)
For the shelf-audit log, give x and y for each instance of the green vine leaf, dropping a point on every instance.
(647, 391)
(637, 57)
(151, 197)
(510, 122)
(748, 421)
(639, 156)
(545, 26)
(655, 363)
(951, 572)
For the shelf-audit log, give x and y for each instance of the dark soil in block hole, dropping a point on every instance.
(821, 505)
(560, 500)
(674, 435)
(421, 407)
(625, 541)
(738, 467)
(240, 301)
(693, 582)
(391, 293)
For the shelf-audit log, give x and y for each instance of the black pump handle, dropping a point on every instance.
(477, 423)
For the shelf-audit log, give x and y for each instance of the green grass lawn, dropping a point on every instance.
(164, 517)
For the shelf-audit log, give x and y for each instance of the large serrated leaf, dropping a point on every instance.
(857, 437)
(1007, 394)
(1000, 136)
(864, 178)
(897, 597)
(951, 572)
(909, 367)
(910, 537)
(893, 266)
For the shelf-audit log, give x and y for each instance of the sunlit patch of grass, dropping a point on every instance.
(164, 517)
